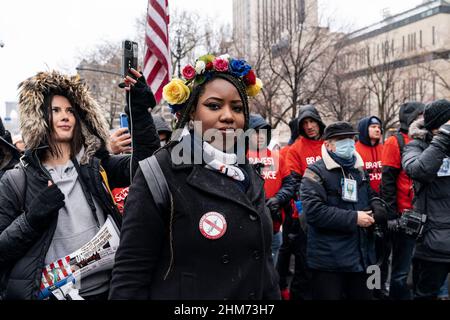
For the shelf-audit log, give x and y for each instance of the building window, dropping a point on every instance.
(433, 36)
(434, 86)
(392, 47)
(403, 50)
(420, 40)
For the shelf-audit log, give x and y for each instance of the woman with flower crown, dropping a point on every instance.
(213, 239)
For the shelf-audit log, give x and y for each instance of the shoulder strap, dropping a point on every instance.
(156, 182)
(17, 180)
(401, 142)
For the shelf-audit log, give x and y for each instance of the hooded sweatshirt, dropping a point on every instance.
(305, 151)
(371, 154)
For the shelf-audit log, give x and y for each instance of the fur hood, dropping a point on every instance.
(417, 131)
(32, 120)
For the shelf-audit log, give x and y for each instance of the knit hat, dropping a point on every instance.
(436, 114)
(339, 129)
(409, 111)
(374, 120)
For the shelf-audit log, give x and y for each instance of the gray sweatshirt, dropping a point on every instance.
(76, 225)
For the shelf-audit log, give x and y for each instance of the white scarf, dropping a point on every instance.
(216, 160)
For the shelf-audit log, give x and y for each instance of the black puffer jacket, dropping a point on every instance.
(9, 155)
(22, 249)
(422, 160)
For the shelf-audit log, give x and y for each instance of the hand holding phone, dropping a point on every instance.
(123, 120)
(129, 56)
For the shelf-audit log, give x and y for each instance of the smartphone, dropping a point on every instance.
(123, 119)
(129, 56)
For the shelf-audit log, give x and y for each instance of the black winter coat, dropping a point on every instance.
(22, 250)
(422, 159)
(335, 242)
(237, 266)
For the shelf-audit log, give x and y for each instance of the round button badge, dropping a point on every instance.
(213, 225)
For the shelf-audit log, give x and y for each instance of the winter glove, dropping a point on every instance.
(142, 98)
(274, 206)
(380, 213)
(45, 207)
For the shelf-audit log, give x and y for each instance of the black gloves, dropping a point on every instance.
(274, 206)
(380, 213)
(142, 98)
(45, 207)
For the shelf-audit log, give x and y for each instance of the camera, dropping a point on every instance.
(129, 56)
(410, 223)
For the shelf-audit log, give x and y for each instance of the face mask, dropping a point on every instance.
(345, 149)
(163, 143)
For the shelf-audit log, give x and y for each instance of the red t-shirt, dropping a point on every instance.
(372, 163)
(391, 158)
(303, 153)
(273, 172)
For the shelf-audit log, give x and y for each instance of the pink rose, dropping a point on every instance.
(220, 65)
(189, 72)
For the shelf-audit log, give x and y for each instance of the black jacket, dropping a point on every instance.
(237, 266)
(422, 160)
(335, 242)
(22, 249)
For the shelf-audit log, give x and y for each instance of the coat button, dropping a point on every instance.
(252, 296)
(253, 217)
(225, 259)
(256, 255)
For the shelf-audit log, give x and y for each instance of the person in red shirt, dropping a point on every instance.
(370, 148)
(397, 191)
(305, 150)
(273, 170)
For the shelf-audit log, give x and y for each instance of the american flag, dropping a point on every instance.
(157, 55)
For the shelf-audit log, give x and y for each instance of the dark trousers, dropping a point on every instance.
(383, 247)
(340, 286)
(428, 278)
(294, 243)
(402, 252)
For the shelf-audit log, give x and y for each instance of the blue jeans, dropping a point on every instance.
(276, 244)
(443, 292)
(402, 252)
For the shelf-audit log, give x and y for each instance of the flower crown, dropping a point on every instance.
(178, 91)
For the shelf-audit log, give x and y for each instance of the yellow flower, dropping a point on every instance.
(176, 92)
(207, 58)
(252, 91)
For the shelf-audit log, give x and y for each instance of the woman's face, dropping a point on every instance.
(63, 119)
(221, 110)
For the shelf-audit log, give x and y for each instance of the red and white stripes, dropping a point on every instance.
(157, 57)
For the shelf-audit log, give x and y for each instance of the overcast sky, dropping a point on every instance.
(51, 34)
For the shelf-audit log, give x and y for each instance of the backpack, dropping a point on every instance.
(401, 142)
(156, 182)
(17, 179)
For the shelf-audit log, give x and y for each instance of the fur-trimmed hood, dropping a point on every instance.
(417, 131)
(33, 124)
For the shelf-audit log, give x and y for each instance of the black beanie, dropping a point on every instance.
(436, 114)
